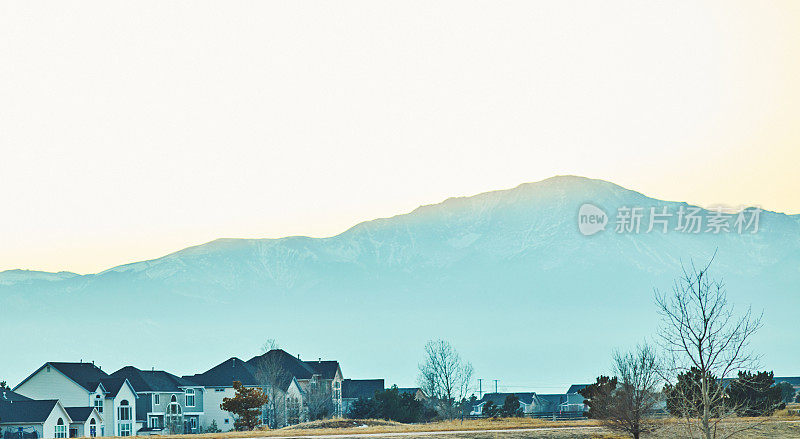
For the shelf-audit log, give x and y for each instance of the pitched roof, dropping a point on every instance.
(575, 388)
(32, 411)
(7, 395)
(361, 388)
(283, 360)
(152, 380)
(86, 375)
(79, 414)
(327, 369)
(225, 373)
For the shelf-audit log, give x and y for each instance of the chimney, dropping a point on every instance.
(319, 360)
(298, 356)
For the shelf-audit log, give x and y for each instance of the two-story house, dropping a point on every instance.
(167, 403)
(217, 384)
(85, 385)
(277, 373)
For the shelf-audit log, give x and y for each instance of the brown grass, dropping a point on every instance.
(776, 427)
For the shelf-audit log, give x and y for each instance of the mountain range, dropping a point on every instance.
(506, 276)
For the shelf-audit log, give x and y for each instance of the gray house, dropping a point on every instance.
(167, 403)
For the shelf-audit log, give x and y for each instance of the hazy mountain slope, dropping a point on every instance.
(500, 270)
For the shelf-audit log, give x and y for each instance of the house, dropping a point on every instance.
(280, 373)
(352, 390)
(575, 388)
(167, 403)
(28, 418)
(86, 421)
(328, 376)
(552, 404)
(217, 384)
(85, 385)
(419, 394)
(498, 399)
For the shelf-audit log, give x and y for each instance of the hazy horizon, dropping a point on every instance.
(359, 222)
(130, 130)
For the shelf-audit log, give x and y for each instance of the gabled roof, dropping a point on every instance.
(27, 412)
(327, 369)
(361, 388)
(8, 395)
(152, 380)
(287, 362)
(86, 375)
(112, 385)
(575, 388)
(80, 414)
(225, 373)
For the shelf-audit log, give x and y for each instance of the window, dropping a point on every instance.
(193, 423)
(156, 399)
(125, 429)
(226, 420)
(125, 426)
(189, 397)
(92, 428)
(174, 417)
(124, 411)
(61, 429)
(154, 422)
(98, 403)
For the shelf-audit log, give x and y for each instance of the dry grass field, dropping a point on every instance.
(785, 424)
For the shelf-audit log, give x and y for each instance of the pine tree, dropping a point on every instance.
(246, 405)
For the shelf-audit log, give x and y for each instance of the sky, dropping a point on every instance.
(129, 130)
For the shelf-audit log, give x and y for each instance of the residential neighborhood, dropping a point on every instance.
(80, 399)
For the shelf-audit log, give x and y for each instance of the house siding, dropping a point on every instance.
(54, 385)
(52, 420)
(213, 412)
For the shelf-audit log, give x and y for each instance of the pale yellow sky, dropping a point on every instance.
(132, 129)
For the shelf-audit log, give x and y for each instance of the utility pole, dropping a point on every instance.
(495, 385)
(480, 388)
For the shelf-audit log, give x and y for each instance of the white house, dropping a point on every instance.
(85, 385)
(45, 418)
(86, 421)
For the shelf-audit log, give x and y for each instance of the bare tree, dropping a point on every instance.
(632, 403)
(319, 402)
(444, 375)
(701, 330)
(273, 378)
